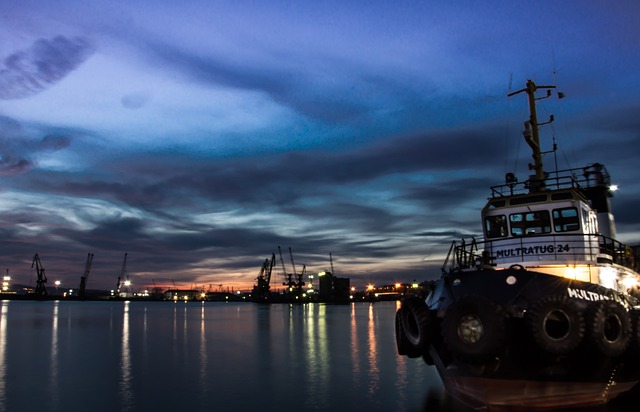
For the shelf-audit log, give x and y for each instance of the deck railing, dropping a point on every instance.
(563, 249)
(594, 175)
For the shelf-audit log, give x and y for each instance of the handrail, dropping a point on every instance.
(466, 255)
(594, 175)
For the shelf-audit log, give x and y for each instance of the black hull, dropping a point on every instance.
(511, 394)
(512, 365)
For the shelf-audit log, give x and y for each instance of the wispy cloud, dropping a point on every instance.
(47, 61)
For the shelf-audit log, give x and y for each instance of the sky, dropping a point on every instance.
(199, 136)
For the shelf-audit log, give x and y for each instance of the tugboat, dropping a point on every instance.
(543, 313)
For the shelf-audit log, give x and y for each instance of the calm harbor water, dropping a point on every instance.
(161, 356)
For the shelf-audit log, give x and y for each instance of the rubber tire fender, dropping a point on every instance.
(556, 324)
(610, 328)
(402, 344)
(635, 337)
(417, 322)
(474, 329)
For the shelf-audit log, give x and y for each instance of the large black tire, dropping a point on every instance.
(417, 322)
(402, 344)
(556, 324)
(610, 328)
(633, 351)
(635, 337)
(474, 329)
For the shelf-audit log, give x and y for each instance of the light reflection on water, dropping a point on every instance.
(137, 356)
(125, 384)
(372, 353)
(53, 358)
(3, 355)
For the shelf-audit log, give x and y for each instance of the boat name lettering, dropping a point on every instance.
(586, 295)
(532, 250)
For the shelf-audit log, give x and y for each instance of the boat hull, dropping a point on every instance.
(510, 394)
(580, 362)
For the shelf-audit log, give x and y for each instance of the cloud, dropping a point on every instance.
(47, 61)
(21, 147)
(134, 100)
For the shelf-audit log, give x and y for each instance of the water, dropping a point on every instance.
(161, 356)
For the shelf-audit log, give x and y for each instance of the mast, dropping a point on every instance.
(532, 134)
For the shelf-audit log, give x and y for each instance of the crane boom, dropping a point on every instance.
(292, 262)
(261, 291)
(122, 272)
(85, 276)
(284, 271)
(331, 261)
(270, 268)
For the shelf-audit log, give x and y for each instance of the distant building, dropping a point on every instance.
(332, 288)
(178, 294)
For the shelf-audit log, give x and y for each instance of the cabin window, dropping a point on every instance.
(530, 223)
(495, 226)
(566, 220)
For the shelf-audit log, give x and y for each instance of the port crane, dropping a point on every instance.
(294, 286)
(85, 276)
(41, 289)
(284, 270)
(298, 283)
(262, 289)
(331, 262)
(122, 272)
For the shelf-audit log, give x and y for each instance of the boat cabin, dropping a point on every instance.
(563, 226)
(541, 228)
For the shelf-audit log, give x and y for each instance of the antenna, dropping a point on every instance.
(531, 132)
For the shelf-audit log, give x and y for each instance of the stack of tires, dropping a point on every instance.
(559, 325)
(474, 329)
(415, 328)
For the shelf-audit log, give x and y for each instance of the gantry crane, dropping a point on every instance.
(83, 278)
(41, 289)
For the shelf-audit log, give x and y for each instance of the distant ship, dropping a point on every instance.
(544, 312)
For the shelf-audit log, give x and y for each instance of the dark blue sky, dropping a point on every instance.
(198, 136)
